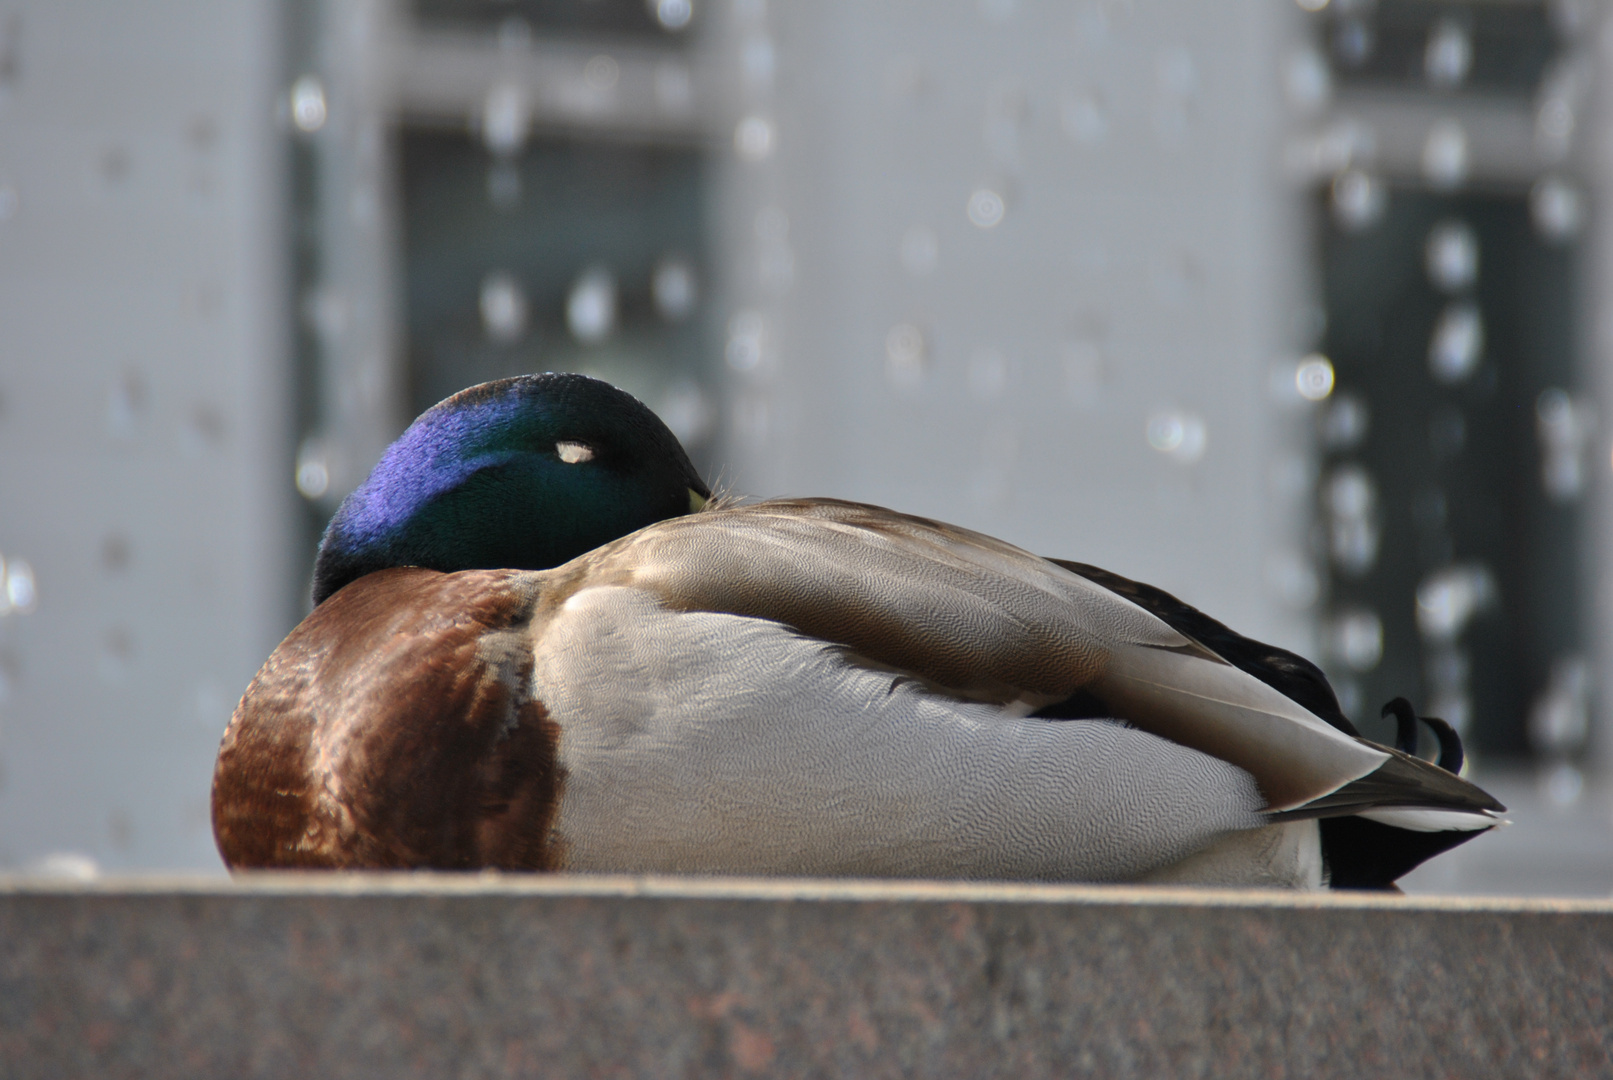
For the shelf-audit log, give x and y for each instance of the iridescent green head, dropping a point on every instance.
(523, 473)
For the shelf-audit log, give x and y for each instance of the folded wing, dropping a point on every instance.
(986, 621)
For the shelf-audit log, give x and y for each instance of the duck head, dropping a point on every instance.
(523, 473)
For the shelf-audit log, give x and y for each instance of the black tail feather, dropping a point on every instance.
(1364, 854)
(1450, 743)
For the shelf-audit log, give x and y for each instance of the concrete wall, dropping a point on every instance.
(420, 976)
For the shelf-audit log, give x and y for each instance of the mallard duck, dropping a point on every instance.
(539, 644)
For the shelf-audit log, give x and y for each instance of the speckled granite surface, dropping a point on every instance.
(428, 977)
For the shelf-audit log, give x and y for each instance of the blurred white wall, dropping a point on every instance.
(1028, 267)
(143, 398)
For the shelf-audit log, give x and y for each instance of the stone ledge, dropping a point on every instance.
(504, 975)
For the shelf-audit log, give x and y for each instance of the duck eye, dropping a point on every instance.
(574, 453)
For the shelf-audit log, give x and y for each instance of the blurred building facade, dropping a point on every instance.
(1286, 308)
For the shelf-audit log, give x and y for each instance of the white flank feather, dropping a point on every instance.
(678, 758)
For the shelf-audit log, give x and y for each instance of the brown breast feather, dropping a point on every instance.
(395, 728)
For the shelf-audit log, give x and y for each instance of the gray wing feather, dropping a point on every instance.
(983, 619)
